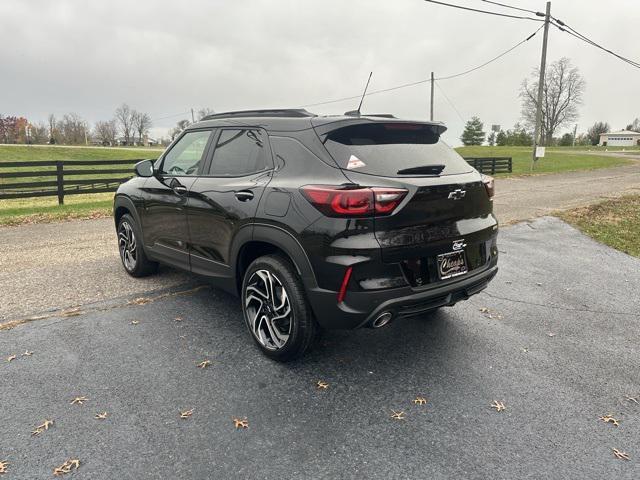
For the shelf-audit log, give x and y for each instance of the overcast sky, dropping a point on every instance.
(164, 57)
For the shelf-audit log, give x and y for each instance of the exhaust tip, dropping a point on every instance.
(381, 320)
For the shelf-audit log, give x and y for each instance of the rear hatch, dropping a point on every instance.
(446, 208)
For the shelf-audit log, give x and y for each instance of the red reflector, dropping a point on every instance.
(341, 201)
(345, 282)
(489, 185)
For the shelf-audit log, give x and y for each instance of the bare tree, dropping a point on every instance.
(105, 132)
(40, 133)
(562, 94)
(180, 126)
(124, 120)
(54, 134)
(73, 129)
(203, 112)
(141, 124)
(596, 129)
(634, 126)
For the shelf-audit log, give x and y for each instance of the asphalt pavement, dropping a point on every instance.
(554, 338)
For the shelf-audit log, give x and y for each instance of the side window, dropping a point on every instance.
(185, 156)
(239, 152)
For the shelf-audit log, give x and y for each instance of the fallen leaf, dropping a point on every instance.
(178, 319)
(551, 334)
(204, 364)
(73, 312)
(134, 322)
(420, 400)
(3, 467)
(41, 428)
(397, 415)
(322, 385)
(101, 416)
(484, 310)
(140, 301)
(620, 455)
(79, 400)
(240, 423)
(66, 467)
(629, 398)
(27, 353)
(499, 406)
(11, 357)
(609, 419)
(186, 413)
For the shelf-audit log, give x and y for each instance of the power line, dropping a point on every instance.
(485, 11)
(170, 116)
(426, 80)
(540, 14)
(494, 58)
(449, 101)
(563, 27)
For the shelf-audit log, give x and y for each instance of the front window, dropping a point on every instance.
(185, 157)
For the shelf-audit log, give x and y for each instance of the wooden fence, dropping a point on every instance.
(19, 183)
(491, 165)
(63, 175)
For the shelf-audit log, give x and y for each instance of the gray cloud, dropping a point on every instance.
(165, 57)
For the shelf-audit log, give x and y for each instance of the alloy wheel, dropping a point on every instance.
(268, 310)
(128, 246)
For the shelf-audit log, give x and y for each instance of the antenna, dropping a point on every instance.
(356, 113)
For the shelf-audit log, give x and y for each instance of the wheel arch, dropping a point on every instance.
(266, 239)
(123, 205)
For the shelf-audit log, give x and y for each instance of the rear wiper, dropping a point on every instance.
(424, 170)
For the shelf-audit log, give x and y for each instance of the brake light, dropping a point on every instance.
(489, 185)
(348, 201)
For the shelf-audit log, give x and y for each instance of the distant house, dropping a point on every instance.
(146, 141)
(623, 138)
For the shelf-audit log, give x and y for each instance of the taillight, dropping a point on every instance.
(348, 201)
(489, 185)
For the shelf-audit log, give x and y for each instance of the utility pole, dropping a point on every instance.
(193, 118)
(543, 64)
(575, 131)
(432, 96)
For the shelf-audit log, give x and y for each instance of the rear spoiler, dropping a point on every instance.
(324, 128)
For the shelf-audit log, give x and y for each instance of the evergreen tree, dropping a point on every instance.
(473, 134)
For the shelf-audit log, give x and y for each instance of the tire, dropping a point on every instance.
(134, 260)
(290, 336)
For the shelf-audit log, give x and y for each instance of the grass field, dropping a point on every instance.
(28, 210)
(613, 222)
(556, 159)
(85, 206)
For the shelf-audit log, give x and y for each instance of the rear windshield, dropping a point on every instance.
(394, 150)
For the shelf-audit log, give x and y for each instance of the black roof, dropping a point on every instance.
(296, 119)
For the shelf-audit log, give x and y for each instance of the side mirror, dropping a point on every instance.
(144, 168)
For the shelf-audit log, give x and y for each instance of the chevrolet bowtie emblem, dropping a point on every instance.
(457, 194)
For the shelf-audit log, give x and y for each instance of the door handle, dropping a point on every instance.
(244, 195)
(180, 189)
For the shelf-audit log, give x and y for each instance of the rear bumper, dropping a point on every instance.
(361, 308)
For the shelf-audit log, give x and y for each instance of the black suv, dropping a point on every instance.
(315, 221)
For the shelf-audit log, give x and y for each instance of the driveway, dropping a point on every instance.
(555, 338)
(48, 267)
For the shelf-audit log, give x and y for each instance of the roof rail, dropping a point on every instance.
(278, 112)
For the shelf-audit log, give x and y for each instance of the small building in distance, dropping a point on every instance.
(623, 138)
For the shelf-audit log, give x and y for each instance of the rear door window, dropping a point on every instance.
(394, 150)
(239, 152)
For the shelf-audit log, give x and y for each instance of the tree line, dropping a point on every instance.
(563, 87)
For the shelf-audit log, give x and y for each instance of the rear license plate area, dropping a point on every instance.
(451, 264)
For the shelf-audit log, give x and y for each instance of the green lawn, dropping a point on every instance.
(26, 210)
(613, 222)
(556, 159)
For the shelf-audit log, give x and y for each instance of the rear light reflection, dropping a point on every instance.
(341, 201)
(345, 282)
(489, 185)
